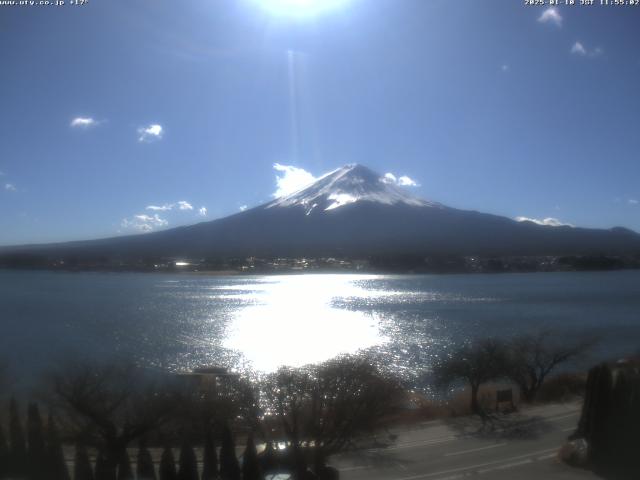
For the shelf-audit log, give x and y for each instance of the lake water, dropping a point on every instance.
(184, 321)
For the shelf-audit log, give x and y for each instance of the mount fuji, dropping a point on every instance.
(351, 211)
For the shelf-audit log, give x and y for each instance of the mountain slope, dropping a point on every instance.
(353, 211)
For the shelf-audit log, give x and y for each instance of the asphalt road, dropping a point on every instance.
(517, 446)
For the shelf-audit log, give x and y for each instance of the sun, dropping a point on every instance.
(299, 8)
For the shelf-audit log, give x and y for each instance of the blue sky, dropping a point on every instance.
(112, 107)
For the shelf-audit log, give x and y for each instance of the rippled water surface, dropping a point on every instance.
(261, 322)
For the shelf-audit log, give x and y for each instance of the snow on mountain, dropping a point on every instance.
(347, 185)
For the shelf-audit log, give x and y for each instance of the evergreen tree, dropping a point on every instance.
(4, 454)
(57, 466)
(188, 463)
(103, 470)
(18, 450)
(210, 458)
(145, 469)
(168, 465)
(634, 421)
(36, 452)
(229, 466)
(269, 460)
(82, 465)
(621, 436)
(125, 472)
(250, 462)
(599, 445)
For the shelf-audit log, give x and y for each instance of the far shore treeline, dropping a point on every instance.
(405, 263)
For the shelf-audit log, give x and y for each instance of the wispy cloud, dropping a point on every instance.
(160, 208)
(83, 122)
(551, 15)
(180, 205)
(505, 68)
(202, 211)
(633, 201)
(579, 49)
(402, 181)
(10, 187)
(549, 221)
(290, 179)
(144, 223)
(150, 133)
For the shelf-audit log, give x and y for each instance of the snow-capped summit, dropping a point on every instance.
(346, 185)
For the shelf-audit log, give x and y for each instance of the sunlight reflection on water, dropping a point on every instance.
(292, 320)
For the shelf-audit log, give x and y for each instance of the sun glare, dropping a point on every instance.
(299, 8)
(292, 321)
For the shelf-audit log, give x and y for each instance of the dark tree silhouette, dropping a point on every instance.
(210, 457)
(229, 465)
(104, 470)
(145, 469)
(125, 472)
(18, 452)
(250, 462)
(37, 452)
(474, 364)
(4, 454)
(532, 357)
(269, 461)
(610, 418)
(329, 405)
(188, 463)
(56, 462)
(82, 465)
(116, 403)
(168, 465)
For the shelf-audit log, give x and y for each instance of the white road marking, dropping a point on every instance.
(462, 452)
(451, 438)
(495, 463)
(356, 467)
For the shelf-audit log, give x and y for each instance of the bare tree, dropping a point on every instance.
(110, 404)
(474, 364)
(532, 357)
(329, 406)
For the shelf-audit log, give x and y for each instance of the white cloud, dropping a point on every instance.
(549, 221)
(389, 178)
(243, 208)
(405, 181)
(180, 205)
(505, 68)
(83, 122)
(202, 211)
(633, 201)
(290, 179)
(184, 205)
(551, 15)
(10, 187)
(150, 133)
(160, 208)
(402, 181)
(144, 223)
(578, 49)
